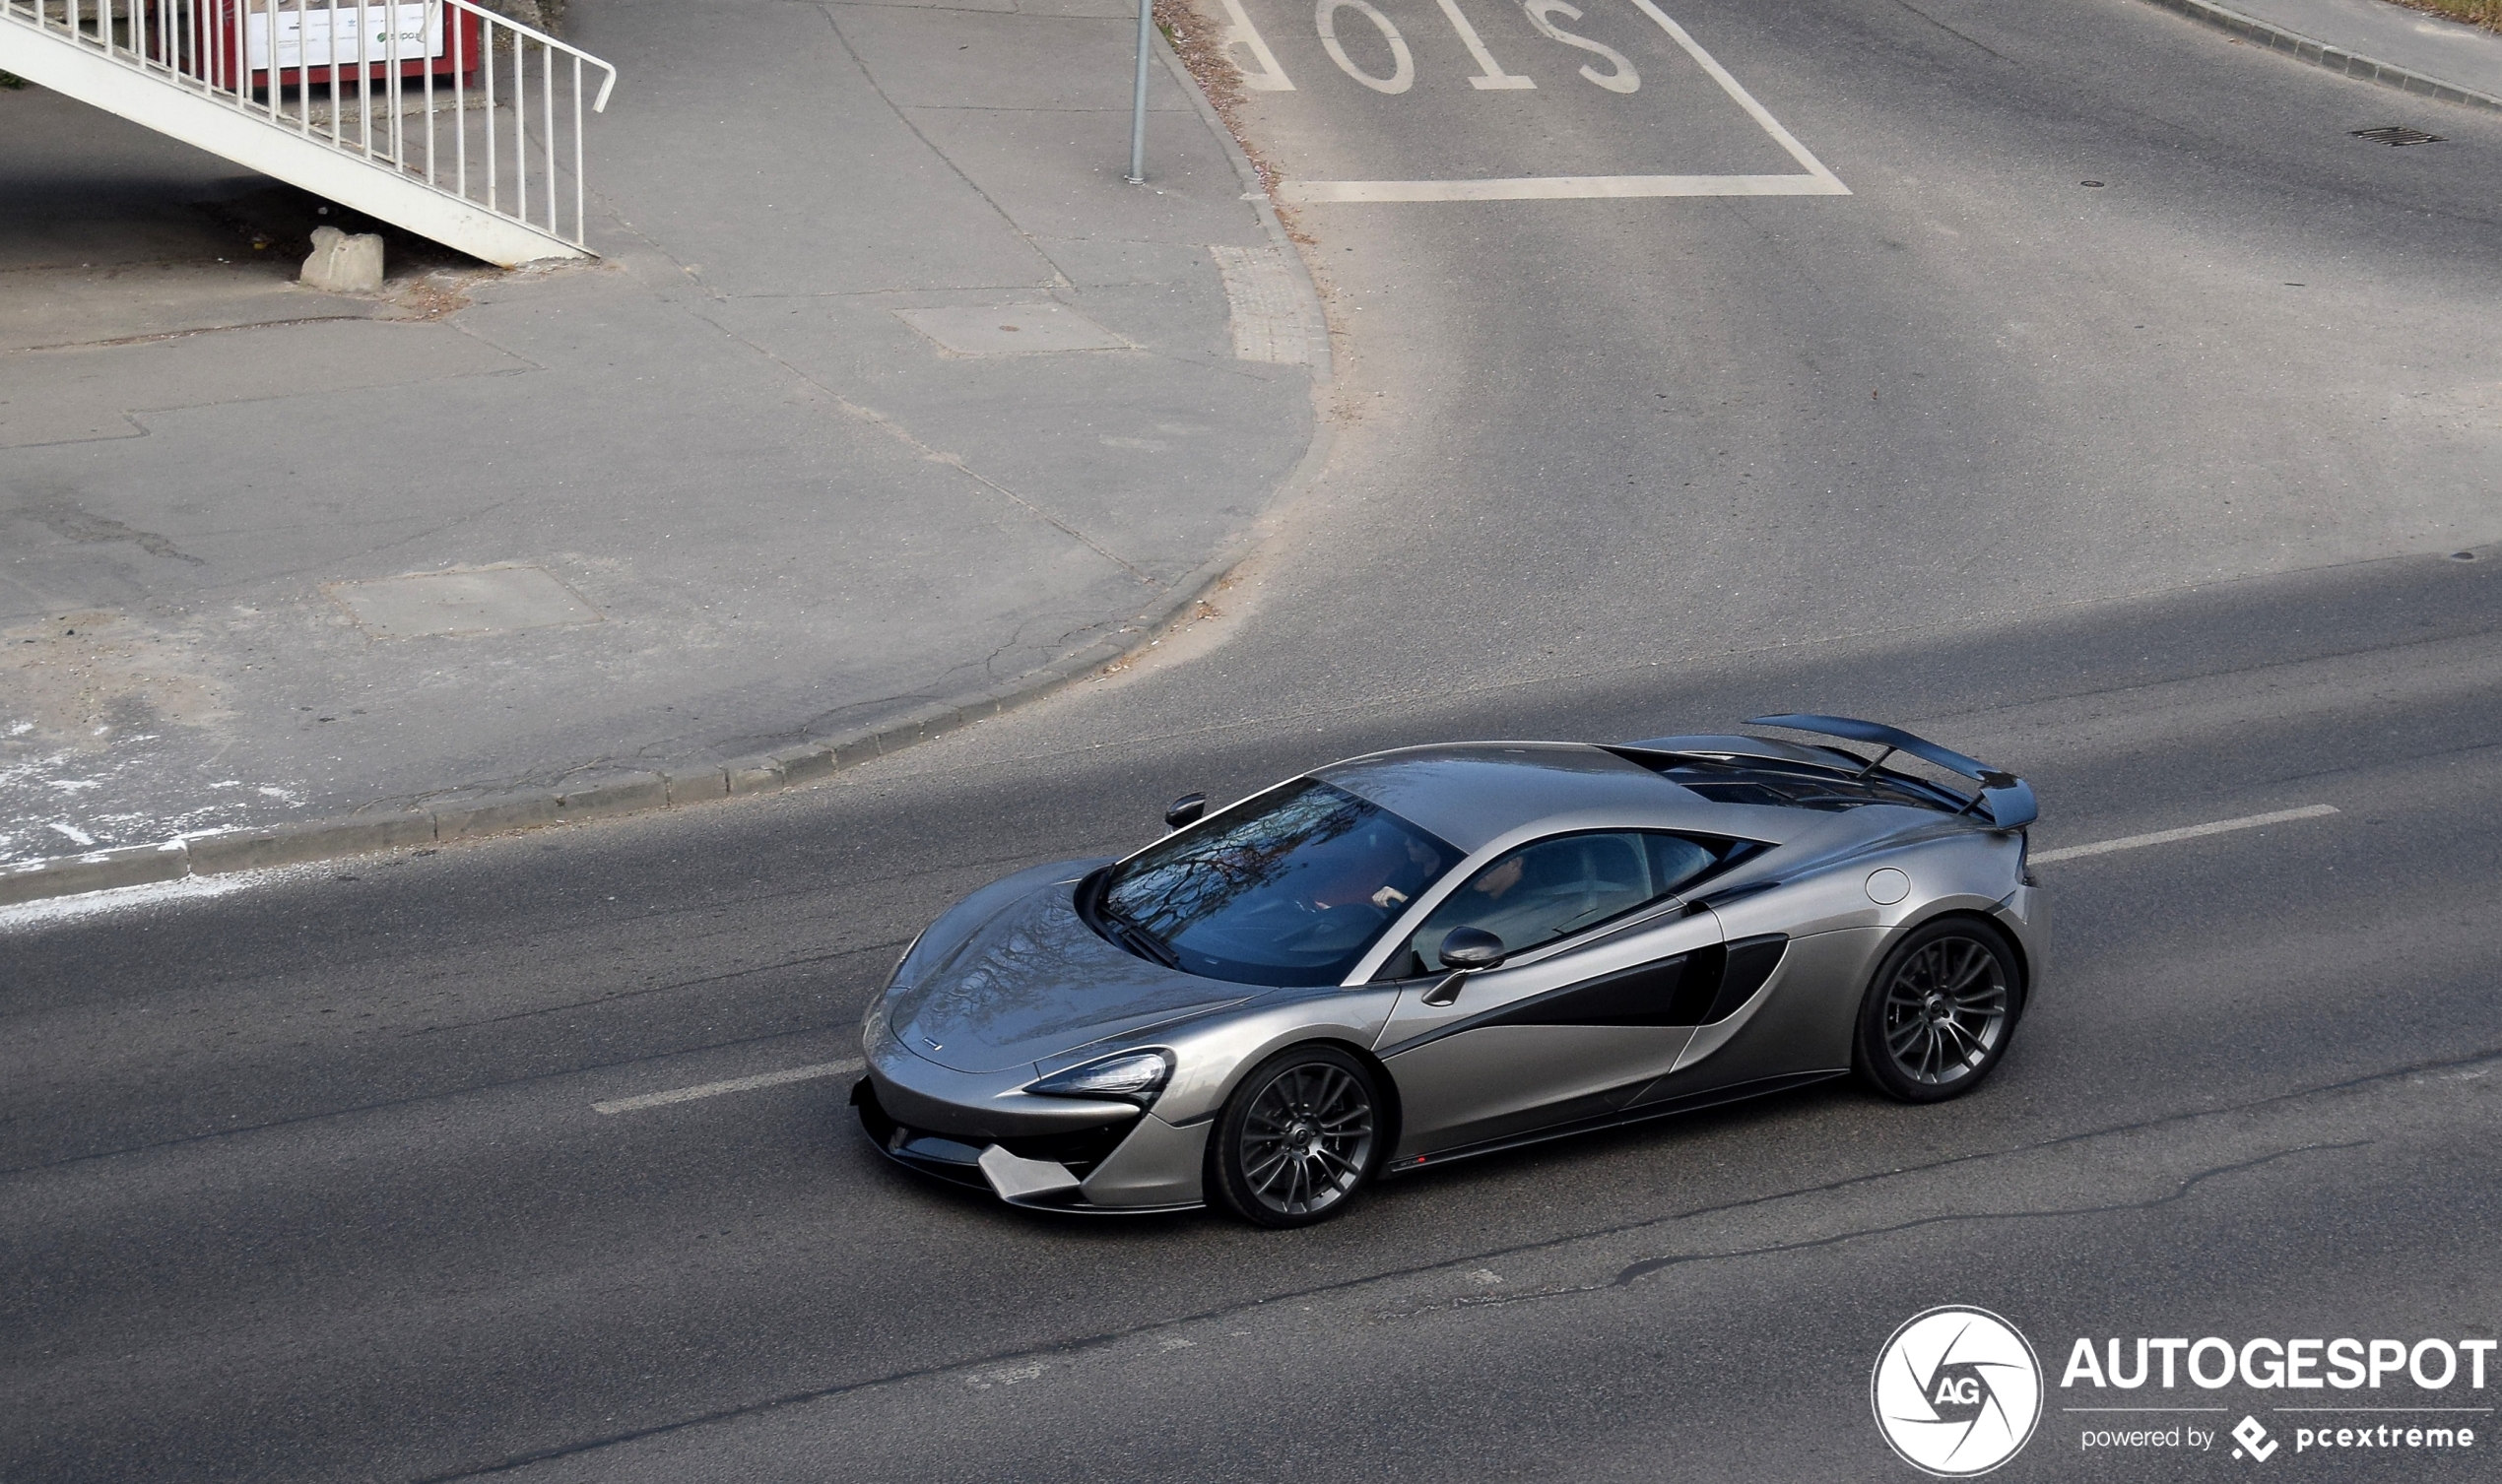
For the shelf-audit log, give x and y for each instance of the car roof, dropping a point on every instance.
(1472, 794)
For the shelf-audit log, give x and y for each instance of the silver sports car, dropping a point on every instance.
(1408, 958)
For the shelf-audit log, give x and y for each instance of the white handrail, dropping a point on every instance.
(438, 67)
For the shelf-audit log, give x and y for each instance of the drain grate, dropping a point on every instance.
(2397, 134)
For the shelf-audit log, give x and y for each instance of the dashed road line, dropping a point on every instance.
(734, 1084)
(2186, 832)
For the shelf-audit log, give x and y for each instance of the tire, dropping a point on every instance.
(1938, 1015)
(1300, 1136)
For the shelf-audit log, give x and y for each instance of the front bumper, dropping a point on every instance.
(1135, 1166)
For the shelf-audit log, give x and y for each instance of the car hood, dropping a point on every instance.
(1031, 980)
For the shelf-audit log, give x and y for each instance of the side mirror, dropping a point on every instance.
(1470, 948)
(1185, 810)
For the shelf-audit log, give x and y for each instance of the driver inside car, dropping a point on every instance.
(1548, 889)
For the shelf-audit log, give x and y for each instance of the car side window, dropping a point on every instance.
(1549, 888)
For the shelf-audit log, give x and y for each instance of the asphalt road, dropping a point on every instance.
(305, 1181)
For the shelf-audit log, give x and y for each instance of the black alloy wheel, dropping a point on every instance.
(1940, 1012)
(1298, 1139)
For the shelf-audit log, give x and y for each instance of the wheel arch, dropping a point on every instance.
(1223, 1182)
(1941, 914)
(1975, 910)
(1392, 1107)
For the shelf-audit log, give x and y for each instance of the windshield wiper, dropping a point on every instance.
(1094, 905)
(1139, 941)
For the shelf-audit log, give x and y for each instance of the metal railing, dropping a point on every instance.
(442, 91)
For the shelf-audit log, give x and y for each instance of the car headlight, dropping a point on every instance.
(1132, 1077)
(872, 1025)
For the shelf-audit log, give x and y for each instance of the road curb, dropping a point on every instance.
(2318, 54)
(93, 871)
(1254, 191)
(297, 843)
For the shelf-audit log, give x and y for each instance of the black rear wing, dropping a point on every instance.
(2004, 799)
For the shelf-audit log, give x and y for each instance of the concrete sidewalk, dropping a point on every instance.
(2391, 43)
(889, 392)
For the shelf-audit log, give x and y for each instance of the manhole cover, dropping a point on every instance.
(1011, 329)
(2395, 134)
(494, 601)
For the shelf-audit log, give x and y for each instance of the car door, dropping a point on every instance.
(1609, 973)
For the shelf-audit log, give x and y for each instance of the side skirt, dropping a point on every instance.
(1734, 1093)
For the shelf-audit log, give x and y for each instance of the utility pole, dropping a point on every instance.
(1138, 96)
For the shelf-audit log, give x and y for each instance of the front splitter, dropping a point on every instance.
(1027, 1183)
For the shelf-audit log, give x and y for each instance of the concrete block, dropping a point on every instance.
(806, 762)
(852, 751)
(1010, 330)
(96, 870)
(633, 794)
(344, 261)
(919, 725)
(323, 840)
(494, 817)
(752, 775)
(488, 601)
(692, 785)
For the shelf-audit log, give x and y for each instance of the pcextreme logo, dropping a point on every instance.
(1957, 1390)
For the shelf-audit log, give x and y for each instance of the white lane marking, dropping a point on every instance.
(1559, 188)
(1818, 181)
(2186, 832)
(1745, 100)
(1490, 73)
(735, 1084)
(1239, 32)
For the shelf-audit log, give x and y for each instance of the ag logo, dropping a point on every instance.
(1957, 1391)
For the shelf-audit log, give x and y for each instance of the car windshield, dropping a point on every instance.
(1289, 888)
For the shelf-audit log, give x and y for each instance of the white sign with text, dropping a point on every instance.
(319, 35)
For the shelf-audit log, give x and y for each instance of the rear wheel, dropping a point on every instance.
(1939, 1014)
(1298, 1139)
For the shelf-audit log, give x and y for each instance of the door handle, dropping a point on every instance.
(1444, 993)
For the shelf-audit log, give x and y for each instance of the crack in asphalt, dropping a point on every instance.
(1105, 1339)
(1634, 1272)
(1007, 219)
(1950, 30)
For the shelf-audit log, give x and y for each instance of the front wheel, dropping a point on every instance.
(1298, 1139)
(1939, 1014)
